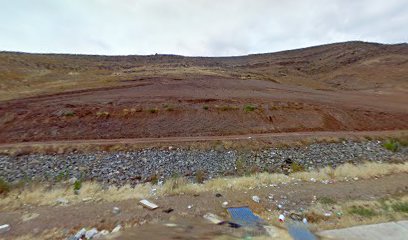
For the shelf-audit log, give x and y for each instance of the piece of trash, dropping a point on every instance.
(218, 195)
(281, 218)
(271, 196)
(213, 218)
(168, 210)
(244, 216)
(280, 206)
(304, 220)
(298, 230)
(170, 225)
(190, 206)
(62, 201)
(224, 204)
(313, 180)
(80, 233)
(116, 229)
(256, 199)
(116, 210)
(295, 216)
(233, 225)
(327, 214)
(87, 199)
(339, 214)
(148, 204)
(91, 233)
(4, 228)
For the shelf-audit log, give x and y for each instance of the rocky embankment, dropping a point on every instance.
(151, 164)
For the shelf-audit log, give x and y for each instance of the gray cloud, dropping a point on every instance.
(195, 27)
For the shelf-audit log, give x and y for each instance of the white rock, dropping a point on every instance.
(72, 180)
(256, 199)
(116, 229)
(4, 228)
(91, 233)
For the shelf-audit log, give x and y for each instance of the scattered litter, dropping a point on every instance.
(190, 206)
(170, 225)
(313, 180)
(339, 214)
(271, 196)
(148, 204)
(355, 179)
(327, 214)
(281, 218)
(304, 220)
(224, 204)
(87, 199)
(116, 229)
(91, 233)
(218, 195)
(295, 216)
(115, 210)
(280, 206)
(62, 201)
(244, 216)
(4, 228)
(213, 218)
(101, 234)
(256, 199)
(168, 210)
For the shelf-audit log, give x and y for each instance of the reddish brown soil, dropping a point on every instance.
(363, 87)
(98, 214)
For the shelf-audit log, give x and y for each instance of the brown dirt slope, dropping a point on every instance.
(346, 86)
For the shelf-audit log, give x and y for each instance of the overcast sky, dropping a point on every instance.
(195, 27)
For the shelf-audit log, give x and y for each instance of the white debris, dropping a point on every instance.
(116, 229)
(62, 201)
(225, 204)
(87, 199)
(304, 220)
(115, 210)
(313, 180)
(91, 233)
(190, 206)
(256, 199)
(4, 228)
(72, 180)
(101, 234)
(327, 214)
(148, 204)
(213, 218)
(281, 218)
(80, 233)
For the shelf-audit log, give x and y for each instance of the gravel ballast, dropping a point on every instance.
(138, 166)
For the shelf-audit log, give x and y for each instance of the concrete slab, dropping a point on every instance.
(382, 231)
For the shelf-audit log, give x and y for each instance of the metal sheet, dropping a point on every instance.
(244, 216)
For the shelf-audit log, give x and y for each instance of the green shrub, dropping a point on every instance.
(249, 108)
(362, 211)
(296, 167)
(69, 114)
(327, 200)
(200, 176)
(153, 110)
(400, 207)
(205, 107)
(392, 145)
(77, 185)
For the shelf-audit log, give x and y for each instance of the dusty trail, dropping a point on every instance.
(287, 136)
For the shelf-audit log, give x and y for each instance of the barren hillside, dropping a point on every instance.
(345, 86)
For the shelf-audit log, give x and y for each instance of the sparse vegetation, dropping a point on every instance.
(327, 201)
(153, 110)
(69, 114)
(168, 108)
(249, 108)
(296, 167)
(205, 107)
(77, 185)
(362, 211)
(4, 187)
(392, 145)
(102, 114)
(400, 207)
(200, 176)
